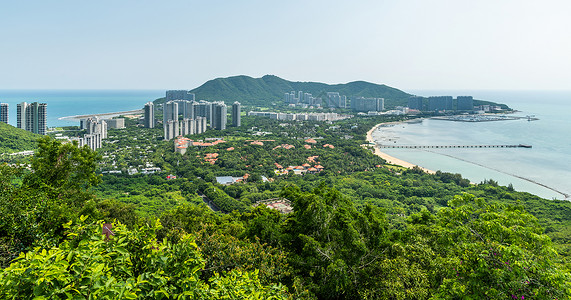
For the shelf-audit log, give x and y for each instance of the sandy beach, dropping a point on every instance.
(388, 158)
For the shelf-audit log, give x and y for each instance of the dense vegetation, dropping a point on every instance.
(360, 229)
(13, 139)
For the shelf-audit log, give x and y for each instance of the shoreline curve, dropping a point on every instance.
(390, 159)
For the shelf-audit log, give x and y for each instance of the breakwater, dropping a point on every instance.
(453, 146)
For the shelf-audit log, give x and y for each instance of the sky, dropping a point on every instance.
(408, 44)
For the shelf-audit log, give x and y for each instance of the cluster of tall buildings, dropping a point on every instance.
(367, 104)
(30, 116)
(186, 116)
(298, 117)
(301, 98)
(96, 132)
(441, 103)
(336, 100)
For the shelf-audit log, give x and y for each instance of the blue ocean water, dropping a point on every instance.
(63, 103)
(544, 170)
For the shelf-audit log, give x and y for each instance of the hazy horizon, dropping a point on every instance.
(410, 45)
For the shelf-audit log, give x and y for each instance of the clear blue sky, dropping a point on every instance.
(408, 44)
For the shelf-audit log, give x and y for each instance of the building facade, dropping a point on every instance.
(236, 117)
(415, 102)
(32, 117)
(149, 121)
(336, 100)
(172, 95)
(465, 103)
(117, 123)
(367, 104)
(219, 116)
(4, 112)
(438, 103)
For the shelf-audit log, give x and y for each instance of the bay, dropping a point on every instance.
(63, 103)
(544, 170)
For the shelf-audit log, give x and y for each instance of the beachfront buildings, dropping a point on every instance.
(149, 119)
(465, 103)
(236, 117)
(367, 104)
(4, 112)
(438, 103)
(415, 102)
(32, 117)
(442, 103)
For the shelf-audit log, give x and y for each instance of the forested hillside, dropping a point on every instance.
(270, 88)
(359, 229)
(13, 139)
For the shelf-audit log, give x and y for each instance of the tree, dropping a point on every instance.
(489, 251)
(127, 264)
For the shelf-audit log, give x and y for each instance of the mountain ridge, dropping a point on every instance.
(271, 88)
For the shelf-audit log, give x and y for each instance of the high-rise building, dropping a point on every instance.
(149, 115)
(179, 95)
(32, 117)
(117, 123)
(437, 103)
(21, 115)
(367, 104)
(219, 116)
(4, 112)
(415, 102)
(170, 129)
(203, 109)
(465, 103)
(94, 126)
(170, 111)
(236, 118)
(336, 100)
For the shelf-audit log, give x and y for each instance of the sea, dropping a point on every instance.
(543, 170)
(65, 103)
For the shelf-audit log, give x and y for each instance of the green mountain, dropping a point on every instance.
(270, 88)
(14, 139)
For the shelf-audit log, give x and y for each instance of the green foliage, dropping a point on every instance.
(14, 139)
(52, 194)
(222, 200)
(492, 252)
(60, 169)
(127, 265)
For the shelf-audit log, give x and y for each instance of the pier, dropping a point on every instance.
(452, 146)
(104, 115)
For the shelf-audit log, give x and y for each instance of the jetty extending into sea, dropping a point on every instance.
(453, 146)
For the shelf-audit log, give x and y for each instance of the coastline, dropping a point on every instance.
(390, 159)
